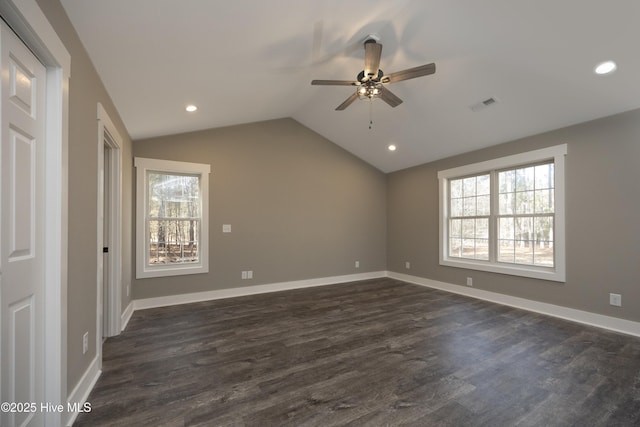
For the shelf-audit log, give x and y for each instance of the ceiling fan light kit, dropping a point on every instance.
(370, 81)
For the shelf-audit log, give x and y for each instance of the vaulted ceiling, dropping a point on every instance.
(250, 60)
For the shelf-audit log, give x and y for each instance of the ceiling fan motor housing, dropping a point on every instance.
(363, 78)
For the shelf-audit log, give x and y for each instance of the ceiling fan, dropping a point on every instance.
(371, 80)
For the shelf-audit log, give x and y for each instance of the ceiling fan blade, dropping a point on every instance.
(348, 102)
(334, 83)
(372, 52)
(411, 73)
(389, 97)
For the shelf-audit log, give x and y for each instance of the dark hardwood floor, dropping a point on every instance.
(374, 353)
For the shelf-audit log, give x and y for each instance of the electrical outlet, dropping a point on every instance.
(226, 228)
(357, 264)
(407, 265)
(85, 343)
(615, 299)
(243, 275)
(469, 281)
(250, 274)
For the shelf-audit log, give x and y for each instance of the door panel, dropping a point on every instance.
(21, 86)
(22, 357)
(22, 124)
(21, 176)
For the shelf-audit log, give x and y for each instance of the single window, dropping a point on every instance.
(172, 218)
(506, 215)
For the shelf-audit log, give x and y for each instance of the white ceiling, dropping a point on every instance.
(250, 60)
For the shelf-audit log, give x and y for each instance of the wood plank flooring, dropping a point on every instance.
(372, 353)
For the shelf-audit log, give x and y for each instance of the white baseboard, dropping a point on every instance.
(81, 392)
(601, 321)
(141, 304)
(126, 316)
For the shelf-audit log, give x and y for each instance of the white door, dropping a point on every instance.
(22, 126)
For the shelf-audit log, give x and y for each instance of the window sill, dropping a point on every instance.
(514, 270)
(171, 270)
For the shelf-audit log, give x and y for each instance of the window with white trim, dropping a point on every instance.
(171, 218)
(506, 215)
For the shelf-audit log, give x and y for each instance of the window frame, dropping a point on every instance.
(143, 166)
(556, 154)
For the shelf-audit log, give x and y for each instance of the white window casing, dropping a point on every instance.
(556, 155)
(144, 269)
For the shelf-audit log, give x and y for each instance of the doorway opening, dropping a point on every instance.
(109, 229)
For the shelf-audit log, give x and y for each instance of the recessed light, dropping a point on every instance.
(191, 108)
(605, 67)
(392, 147)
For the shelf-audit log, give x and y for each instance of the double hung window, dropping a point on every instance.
(172, 218)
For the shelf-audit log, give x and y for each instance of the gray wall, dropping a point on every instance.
(85, 91)
(300, 207)
(602, 219)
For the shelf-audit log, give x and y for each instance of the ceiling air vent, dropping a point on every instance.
(483, 104)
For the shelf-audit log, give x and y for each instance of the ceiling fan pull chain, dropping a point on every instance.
(370, 113)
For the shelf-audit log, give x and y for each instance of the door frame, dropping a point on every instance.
(29, 22)
(109, 141)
